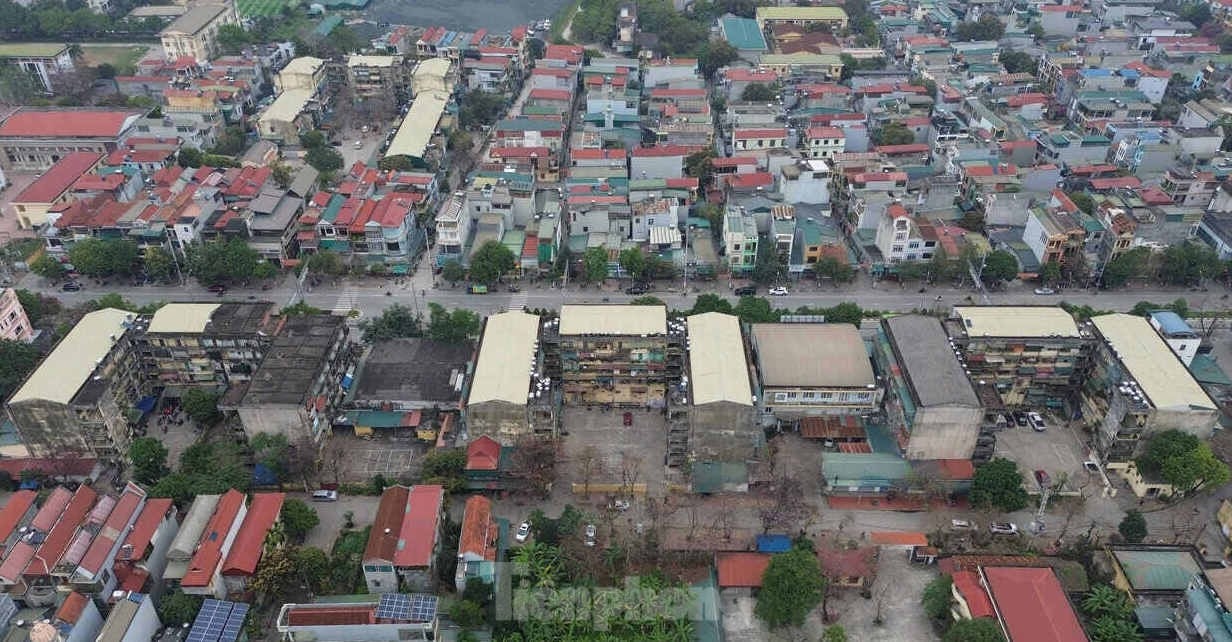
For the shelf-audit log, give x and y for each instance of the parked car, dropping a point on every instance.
(778, 291)
(746, 290)
(962, 525)
(1037, 422)
(1020, 418)
(1045, 291)
(628, 419)
(477, 289)
(591, 531)
(636, 289)
(1003, 528)
(324, 495)
(71, 286)
(217, 288)
(619, 504)
(359, 144)
(523, 532)
(1043, 479)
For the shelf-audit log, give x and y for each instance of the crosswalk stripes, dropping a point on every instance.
(348, 300)
(518, 301)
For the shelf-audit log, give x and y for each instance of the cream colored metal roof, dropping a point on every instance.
(71, 363)
(812, 355)
(306, 65)
(502, 371)
(1150, 361)
(431, 75)
(1017, 321)
(182, 318)
(357, 60)
(718, 370)
(416, 129)
(287, 106)
(613, 319)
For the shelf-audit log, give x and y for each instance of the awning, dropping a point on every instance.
(399, 269)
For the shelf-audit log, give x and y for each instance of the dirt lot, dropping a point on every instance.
(599, 446)
(395, 457)
(897, 588)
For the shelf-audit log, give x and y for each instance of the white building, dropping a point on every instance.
(806, 181)
(899, 237)
(1177, 334)
(825, 142)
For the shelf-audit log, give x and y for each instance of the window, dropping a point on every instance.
(780, 396)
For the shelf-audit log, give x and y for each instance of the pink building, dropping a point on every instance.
(14, 325)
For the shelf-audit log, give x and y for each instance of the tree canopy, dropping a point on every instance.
(633, 262)
(988, 27)
(1133, 527)
(1183, 461)
(791, 587)
(490, 262)
(999, 266)
(895, 134)
(757, 92)
(298, 518)
(104, 257)
(452, 326)
(937, 597)
(1189, 263)
(149, 458)
(396, 321)
(998, 484)
(977, 630)
(1127, 265)
(479, 107)
(201, 405)
(48, 267)
(223, 262)
(17, 360)
(594, 265)
(1018, 62)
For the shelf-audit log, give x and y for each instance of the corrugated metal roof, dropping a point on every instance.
(1017, 321)
(718, 370)
(502, 370)
(182, 318)
(73, 360)
(812, 355)
(627, 320)
(1150, 361)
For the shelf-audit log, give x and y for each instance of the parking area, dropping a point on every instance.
(1057, 450)
(333, 516)
(895, 598)
(601, 450)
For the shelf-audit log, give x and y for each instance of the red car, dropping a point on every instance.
(628, 418)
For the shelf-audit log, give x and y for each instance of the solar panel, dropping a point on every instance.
(218, 621)
(423, 608)
(393, 606)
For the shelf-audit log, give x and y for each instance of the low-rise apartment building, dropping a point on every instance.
(813, 369)
(194, 34)
(405, 539)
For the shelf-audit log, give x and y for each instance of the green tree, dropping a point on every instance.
(910, 270)
(988, 27)
(37, 306)
(937, 597)
(490, 262)
(232, 39)
(1189, 263)
(647, 300)
(790, 588)
(755, 309)
(1051, 273)
(314, 566)
(845, 312)
(201, 405)
(998, 484)
(48, 268)
(978, 630)
(714, 55)
(396, 321)
(1105, 601)
(159, 264)
(1126, 266)
(452, 326)
(467, 614)
(298, 518)
(1083, 201)
(633, 262)
(1133, 527)
(221, 262)
(453, 271)
(710, 302)
(699, 165)
(177, 608)
(313, 139)
(769, 267)
(1035, 29)
(324, 159)
(1111, 629)
(189, 157)
(271, 450)
(999, 266)
(276, 574)
(480, 107)
(594, 265)
(1016, 62)
(459, 140)
(326, 262)
(281, 173)
(149, 458)
(834, 633)
(444, 466)
(1199, 468)
(300, 309)
(103, 257)
(231, 142)
(894, 134)
(757, 92)
(829, 267)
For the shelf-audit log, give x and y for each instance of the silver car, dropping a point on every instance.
(591, 531)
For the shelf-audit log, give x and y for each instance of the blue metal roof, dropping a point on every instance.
(1171, 323)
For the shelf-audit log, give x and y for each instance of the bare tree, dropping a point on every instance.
(335, 460)
(787, 508)
(588, 465)
(534, 464)
(630, 472)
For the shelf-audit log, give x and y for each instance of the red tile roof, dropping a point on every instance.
(848, 562)
(1033, 98)
(955, 468)
(1004, 169)
(551, 94)
(1064, 202)
(66, 123)
(741, 570)
(72, 607)
(733, 161)
(968, 585)
(59, 178)
(333, 615)
(825, 132)
(744, 74)
(19, 556)
(751, 180)
(759, 133)
(147, 524)
(569, 53)
(1117, 182)
(1032, 604)
(660, 151)
(263, 512)
(895, 538)
(896, 210)
(596, 154)
(119, 520)
(209, 551)
(383, 539)
(14, 510)
(420, 526)
(483, 454)
(520, 152)
(479, 530)
(61, 535)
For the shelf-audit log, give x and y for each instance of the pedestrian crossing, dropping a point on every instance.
(348, 300)
(518, 300)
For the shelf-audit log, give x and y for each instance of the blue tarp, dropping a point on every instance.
(263, 476)
(146, 404)
(773, 543)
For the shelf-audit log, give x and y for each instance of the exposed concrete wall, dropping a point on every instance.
(48, 428)
(723, 431)
(944, 432)
(500, 420)
(284, 419)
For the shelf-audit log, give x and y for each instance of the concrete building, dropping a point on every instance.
(43, 61)
(388, 618)
(14, 324)
(1036, 356)
(1177, 334)
(35, 138)
(1137, 387)
(720, 400)
(372, 76)
(208, 345)
(195, 33)
(812, 369)
(405, 539)
(184, 544)
(203, 575)
(300, 87)
(133, 618)
(142, 557)
(297, 389)
(619, 355)
(411, 374)
(932, 409)
(833, 17)
(54, 190)
(78, 399)
(740, 240)
(504, 403)
(806, 181)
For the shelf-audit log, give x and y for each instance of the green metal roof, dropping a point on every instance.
(1206, 370)
(863, 469)
(743, 33)
(330, 213)
(714, 476)
(1157, 570)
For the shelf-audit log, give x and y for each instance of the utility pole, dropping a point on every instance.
(977, 275)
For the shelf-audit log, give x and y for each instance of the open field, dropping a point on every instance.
(123, 57)
(258, 8)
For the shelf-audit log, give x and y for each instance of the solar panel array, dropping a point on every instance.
(218, 621)
(406, 608)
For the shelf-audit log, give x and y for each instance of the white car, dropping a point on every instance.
(1037, 422)
(1045, 291)
(324, 495)
(620, 504)
(523, 532)
(591, 531)
(1003, 528)
(962, 525)
(778, 291)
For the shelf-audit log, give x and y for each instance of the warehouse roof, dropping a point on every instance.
(613, 319)
(1016, 321)
(812, 354)
(182, 318)
(718, 370)
(287, 106)
(70, 364)
(416, 129)
(928, 362)
(1150, 361)
(199, 16)
(801, 13)
(502, 371)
